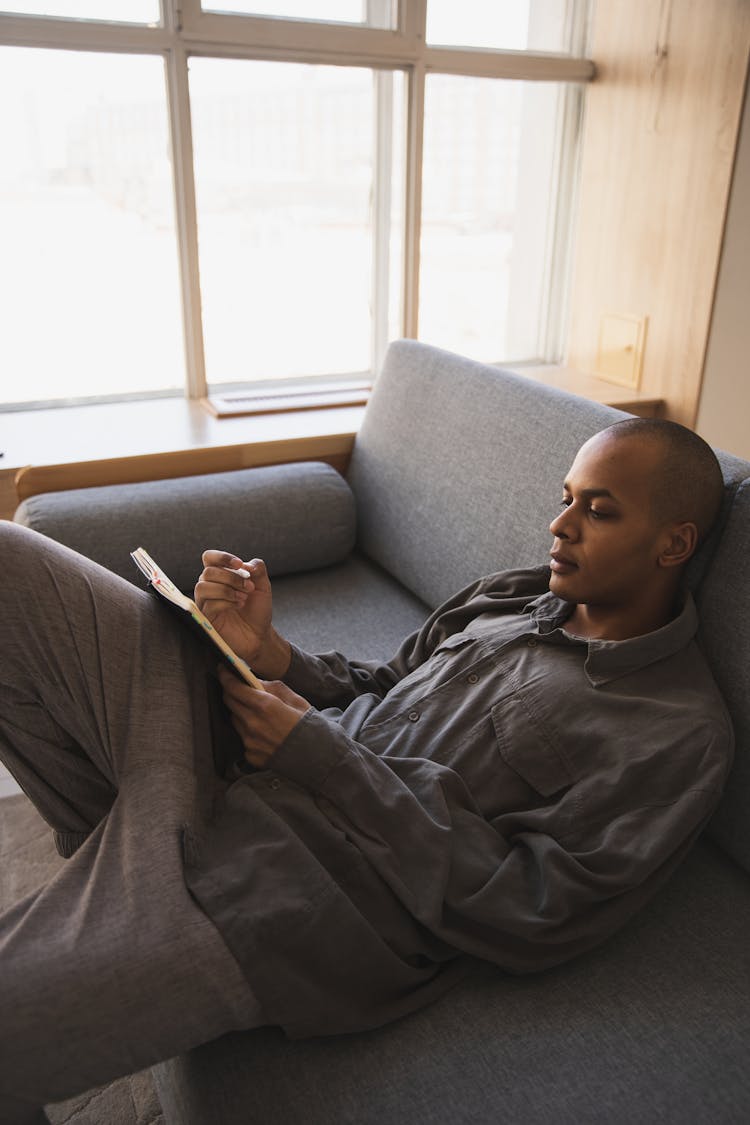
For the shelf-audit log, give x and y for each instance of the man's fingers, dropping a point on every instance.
(226, 561)
(263, 719)
(281, 691)
(221, 558)
(240, 696)
(260, 701)
(226, 578)
(216, 585)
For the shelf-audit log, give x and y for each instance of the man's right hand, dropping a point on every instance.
(241, 610)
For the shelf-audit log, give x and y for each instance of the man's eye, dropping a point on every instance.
(598, 515)
(565, 502)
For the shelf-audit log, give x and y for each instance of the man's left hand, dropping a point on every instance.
(263, 719)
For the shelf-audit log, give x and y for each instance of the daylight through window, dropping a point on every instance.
(213, 195)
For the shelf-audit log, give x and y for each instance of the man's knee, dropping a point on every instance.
(25, 554)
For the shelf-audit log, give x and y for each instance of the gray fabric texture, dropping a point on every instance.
(124, 794)
(354, 607)
(626, 1034)
(295, 517)
(458, 468)
(28, 860)
(724, 606)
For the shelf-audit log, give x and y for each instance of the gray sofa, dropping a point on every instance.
(457, 472)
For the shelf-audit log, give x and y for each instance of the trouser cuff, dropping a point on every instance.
(68, 843)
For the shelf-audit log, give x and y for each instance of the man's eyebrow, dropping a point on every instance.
(592, 493)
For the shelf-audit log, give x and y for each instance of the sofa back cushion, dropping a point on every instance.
(724, 607)
(458, 467)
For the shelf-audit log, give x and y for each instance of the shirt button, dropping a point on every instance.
(472, 678)
(274, 783)
(531, 642)
(414, 716)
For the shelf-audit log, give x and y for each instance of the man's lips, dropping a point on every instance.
(560, 564)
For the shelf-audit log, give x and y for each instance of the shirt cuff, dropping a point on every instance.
(306, 674)
(314, 748)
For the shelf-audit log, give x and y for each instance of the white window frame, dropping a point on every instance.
(187, 30)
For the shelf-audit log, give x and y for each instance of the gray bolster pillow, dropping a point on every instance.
(296, 517)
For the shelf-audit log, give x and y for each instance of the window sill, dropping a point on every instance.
(111, 443)
(592, 387)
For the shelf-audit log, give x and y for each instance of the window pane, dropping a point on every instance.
(510, 25)
(122, 11)
(284, 182)
(336, 11)
(88, 269)
(489, 192)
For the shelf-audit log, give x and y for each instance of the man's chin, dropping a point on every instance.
(559, 585)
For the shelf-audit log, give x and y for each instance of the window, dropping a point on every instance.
(372, 14)
(284, 158)
(488, 219)
(211, 194)
(89, 279)
(509, 25)
(126, 11)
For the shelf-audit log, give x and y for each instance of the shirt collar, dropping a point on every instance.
(609, 660)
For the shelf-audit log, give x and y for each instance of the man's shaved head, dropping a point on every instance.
(689, 484)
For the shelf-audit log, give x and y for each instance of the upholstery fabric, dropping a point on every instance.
(724, 606)
(458, 468)
(622, 1035)
(28, 859)
(353, 607)
(296, 517)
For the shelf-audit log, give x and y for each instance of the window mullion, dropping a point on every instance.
(79, 35)
(186, 218)
(553, 326)
(381, 212)
(413, 200)
(517, 65)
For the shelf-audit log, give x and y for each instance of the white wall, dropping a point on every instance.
(724, 408)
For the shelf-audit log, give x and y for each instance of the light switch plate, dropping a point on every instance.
(622, 338)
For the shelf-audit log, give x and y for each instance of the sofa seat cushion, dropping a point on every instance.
(653, 1026)
(354, 607)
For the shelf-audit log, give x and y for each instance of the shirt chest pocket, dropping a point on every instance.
(447, 660)
(527, 745)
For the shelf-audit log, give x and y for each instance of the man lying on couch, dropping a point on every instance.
(514, 784)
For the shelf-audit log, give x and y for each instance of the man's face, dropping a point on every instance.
(606, 539)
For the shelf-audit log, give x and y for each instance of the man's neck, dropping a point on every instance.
(604, 623)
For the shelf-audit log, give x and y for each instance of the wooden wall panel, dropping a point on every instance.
(660, 132)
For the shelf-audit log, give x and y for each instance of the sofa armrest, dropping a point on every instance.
(296, 517)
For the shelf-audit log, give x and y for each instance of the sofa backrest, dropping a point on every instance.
(458, 467)
(457, 472)
(723, 600)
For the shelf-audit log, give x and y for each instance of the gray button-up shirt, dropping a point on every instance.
(501, 788)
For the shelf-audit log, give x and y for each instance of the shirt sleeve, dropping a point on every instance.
(332, 680)
(509, 891)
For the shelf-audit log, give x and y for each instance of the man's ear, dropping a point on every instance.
(681, 540)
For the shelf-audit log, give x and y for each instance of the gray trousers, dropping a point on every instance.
(105, 724)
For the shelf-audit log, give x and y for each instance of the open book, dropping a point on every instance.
(163, 585)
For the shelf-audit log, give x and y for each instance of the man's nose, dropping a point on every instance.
(563, 525)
